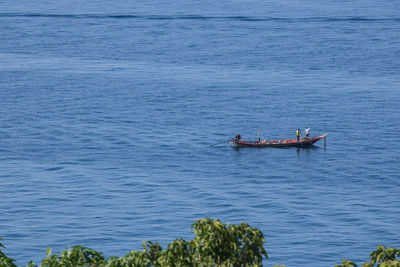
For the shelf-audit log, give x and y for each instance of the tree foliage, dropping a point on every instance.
(215, 244)
(385, 257)
(381, 257)
(218, 244)
(76, 256)
(4, 260)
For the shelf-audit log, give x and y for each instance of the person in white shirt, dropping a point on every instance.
(307, 131)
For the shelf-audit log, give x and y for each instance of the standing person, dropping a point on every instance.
(307, 131)
(298, 135)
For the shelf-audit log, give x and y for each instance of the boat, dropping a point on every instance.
(303, 142)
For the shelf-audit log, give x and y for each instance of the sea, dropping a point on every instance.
(116, 116)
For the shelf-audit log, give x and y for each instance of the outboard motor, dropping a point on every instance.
(238, 137)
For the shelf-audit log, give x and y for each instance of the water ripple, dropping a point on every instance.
(200, 17)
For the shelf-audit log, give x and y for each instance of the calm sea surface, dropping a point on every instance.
(108, 111)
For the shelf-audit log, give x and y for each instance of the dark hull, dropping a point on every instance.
(304, 142)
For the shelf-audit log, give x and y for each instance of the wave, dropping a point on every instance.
(198, 17)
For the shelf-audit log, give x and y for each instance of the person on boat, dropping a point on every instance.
(307, 131)
(298, 135)
(238, 137)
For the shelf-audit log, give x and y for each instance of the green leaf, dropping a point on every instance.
(48, 251)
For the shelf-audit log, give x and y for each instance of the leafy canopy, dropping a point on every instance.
(215, 244)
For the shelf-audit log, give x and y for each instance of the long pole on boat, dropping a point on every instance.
(258, 134)
(221, 142)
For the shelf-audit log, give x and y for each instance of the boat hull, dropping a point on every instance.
(303, 142)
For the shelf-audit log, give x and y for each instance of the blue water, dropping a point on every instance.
(108, 111)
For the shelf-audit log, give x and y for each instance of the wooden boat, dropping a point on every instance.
(303, 142)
